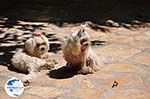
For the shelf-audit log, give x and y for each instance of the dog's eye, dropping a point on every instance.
(38, 45)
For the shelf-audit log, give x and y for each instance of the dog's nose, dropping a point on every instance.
(42, 48)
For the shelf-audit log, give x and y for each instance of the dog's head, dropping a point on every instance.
(37, 45)
(84, 39)
(79, 41)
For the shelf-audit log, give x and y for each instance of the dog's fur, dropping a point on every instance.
(79, 55)
(34, 57)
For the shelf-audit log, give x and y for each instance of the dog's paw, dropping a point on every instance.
(50, 65)
(85, 70)
(51, 61)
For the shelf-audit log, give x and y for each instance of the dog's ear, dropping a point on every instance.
(29, 46)
(46, 40)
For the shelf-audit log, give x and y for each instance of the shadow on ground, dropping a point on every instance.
(7, 54)
(62, 73)
(98, 42)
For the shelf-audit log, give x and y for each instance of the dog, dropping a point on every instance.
(79, 55)
(33, 57)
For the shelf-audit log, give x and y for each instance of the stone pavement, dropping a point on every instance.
(126, 74)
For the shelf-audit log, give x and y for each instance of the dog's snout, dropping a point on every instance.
(42, 48)
(83, 41)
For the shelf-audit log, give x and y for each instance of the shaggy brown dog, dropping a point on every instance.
(79, 55)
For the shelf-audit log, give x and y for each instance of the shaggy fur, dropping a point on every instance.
(79, 55)
(34, 57)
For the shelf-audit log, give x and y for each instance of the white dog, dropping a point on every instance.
(34, 57)
(79, 55)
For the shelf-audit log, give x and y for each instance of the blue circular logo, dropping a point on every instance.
(14, 87)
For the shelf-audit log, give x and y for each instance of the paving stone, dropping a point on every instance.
(3, 80)
(146, 81)
(125, 67)
(86, 93)
(2, 83)
(125, 39)
(44, 79)
(144, 59)
(130, 94)
(29, 96)
(144, 44)
(64, 83)
(44, 92)
(3, 94)
(146, 89)
(140, 37)
(10, 74)
(86, 84)
(124, 81)
(102, 75)
(147, 33)
(118, 52)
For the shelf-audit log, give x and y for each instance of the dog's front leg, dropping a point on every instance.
(84, 69)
